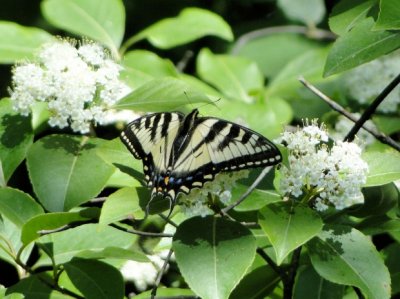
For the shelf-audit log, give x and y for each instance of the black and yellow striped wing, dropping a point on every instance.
(181, 153)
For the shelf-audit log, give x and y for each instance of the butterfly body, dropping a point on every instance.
(180, 152)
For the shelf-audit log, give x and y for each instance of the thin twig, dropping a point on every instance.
(160, 274)
(182, 64)
(55, 230)
(248, 191)
(168, 220)
(310, 32)
(335, 106)
(282, 274)
(371, 108)
(141, 233)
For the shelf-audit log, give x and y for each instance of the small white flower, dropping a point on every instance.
(198, 200)
(334, 176)
(142, 275)
(79, 84)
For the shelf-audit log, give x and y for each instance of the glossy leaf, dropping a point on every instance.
(346, 256)
(50, 221)
(309, 65)
(128, 172)
(10, 242)
(378, 200)
(161, 95)
(392, 260)
(166, 293)
(18, 42)
(95, 279)
(366, 45)
(16, 137)
(18, 206)
(115, 253)
(191, 24)
(206, 247)
(306, 11)
(236, 77)
(84, 238)
(389, 12)
(384, 167)
(258, 283)
(346, 14)
(103, 21)
(71, 173)
(120, 205)
(278, 49)
(288, 226)
(33, 287)
(141, 66)
(257, 199)
(310, 285)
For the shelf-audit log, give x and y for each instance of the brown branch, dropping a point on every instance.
(141, 233)
(335, 106)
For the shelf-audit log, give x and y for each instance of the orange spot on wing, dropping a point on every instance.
(166, 180)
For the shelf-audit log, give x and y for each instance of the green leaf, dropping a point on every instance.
(18, 206)
(346, 14)
(50, 221)
(346, 256)
(115, 253)
(384, 167)
(120, 205)
(161, 95)
(18, 42)
(310, 285)
(191, 24)
(33, 287)
(141, 66)
(366, 45)
(70, 174)
(205, 248)
(257, 199)
(392, 260)
(378, 200)
(306, 11)
(16, 137)
(84, 238)
(258, 283)
(278, 49)
(288, 226)
(95, 279)
(103, 21)
(389, 13)
(236, 77)
(309, 65)
(10, 242)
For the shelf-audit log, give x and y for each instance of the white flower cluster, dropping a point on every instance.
(343, 125)
(78, 84)
(143, 275)
(330, 177)
(366, 82)
(197, 201)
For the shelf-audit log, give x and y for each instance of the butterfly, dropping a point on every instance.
(181, 152)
